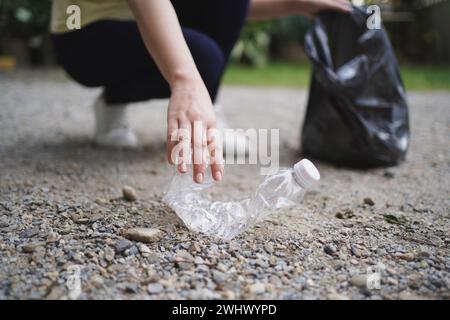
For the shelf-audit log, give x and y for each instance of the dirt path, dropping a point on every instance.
(60, 206)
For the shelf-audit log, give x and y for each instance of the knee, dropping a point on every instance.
(208, 57)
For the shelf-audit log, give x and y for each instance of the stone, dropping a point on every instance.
(423, 255)
(407, 295)
(219, 277)
(153, 258)
(261, 263)
(369, 201)
(184, 265)
(408, 256)
(345, 214)
(132, 251)
(337, 296)
(109, 254)
(358, 251)
(194, 247)
(97, 281)
(154, 288)
(256, 288)
(29, 233)
(228, 295)
(184, 256)
(144, 234)
(359, 280)
(31, 247)
(414, 282)
(57, 292)
(391, 281)
(220, 266)
(122, 244)
(330, 249)
(269, 248)
(129, 193)
(52, 237)
(389, 174)
(143, 249)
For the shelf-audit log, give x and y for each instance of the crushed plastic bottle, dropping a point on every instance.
(227, 219)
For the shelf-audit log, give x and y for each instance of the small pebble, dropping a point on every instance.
(337, 296)
(122, 244)
(155, 288)
(52, 237)
(330, 249)
(369, 201)
(129, 193)
(219, 277)
(143, 234)
(31, 247)
(228, 295)
(406, 256)
(109, 254)
(184, 256)
(256, 288)
(144, 249)
(359, 280)
(131, 288)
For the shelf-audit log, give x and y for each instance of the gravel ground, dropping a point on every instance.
(61, 206)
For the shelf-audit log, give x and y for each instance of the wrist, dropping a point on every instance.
(185, 80)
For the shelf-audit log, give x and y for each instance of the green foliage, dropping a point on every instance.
(253, 45)
(290, 29)
(24, 19)
(298, 74)
(258, 38)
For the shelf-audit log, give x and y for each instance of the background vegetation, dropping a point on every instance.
(270, 53)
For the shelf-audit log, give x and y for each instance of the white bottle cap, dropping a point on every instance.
(306, 173)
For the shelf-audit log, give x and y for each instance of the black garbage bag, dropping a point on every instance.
(357, 113)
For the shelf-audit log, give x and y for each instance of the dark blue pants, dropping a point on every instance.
(112, 55)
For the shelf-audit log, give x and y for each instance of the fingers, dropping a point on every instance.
(184, 141)
(172, 132)
(199, 144)
(185, 134)
(216, 153)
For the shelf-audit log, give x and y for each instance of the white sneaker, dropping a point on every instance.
(232, 141)
(111, 126)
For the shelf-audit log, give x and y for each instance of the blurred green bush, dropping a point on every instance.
(260, 41)
(24, 19)
(424, 40)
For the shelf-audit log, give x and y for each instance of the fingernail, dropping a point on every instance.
(199, 177)
(218, 176)
(183, 167)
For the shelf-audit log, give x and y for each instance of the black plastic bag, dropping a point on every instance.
(357, 113)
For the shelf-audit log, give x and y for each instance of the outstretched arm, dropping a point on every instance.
(190, 101)
(269, 9)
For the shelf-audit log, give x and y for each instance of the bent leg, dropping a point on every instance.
(222, 20)
(112, 54)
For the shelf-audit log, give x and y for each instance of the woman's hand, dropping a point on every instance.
(191, 122)
(190, 114)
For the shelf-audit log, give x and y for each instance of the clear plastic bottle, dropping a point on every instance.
(227, 219)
